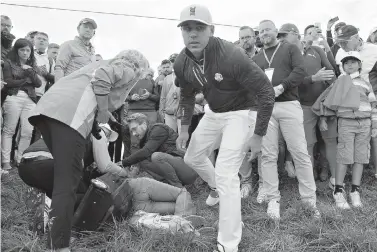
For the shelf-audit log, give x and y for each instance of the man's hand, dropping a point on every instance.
(133, 171)
(182, 140)
(323, 124)
(331, 23)
(103, 116)
(123, 173)
(135, 97)
(25, 67)
(199, 98)
(323, 75)
(3, 83)
(374, 133)
(145, 95)
(278, 90)
(255, 146)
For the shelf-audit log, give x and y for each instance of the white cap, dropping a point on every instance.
(113, 135)
(350, 54)
(196, 12)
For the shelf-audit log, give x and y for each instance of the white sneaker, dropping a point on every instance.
(220, 248)
(245, 190)
(355, 199)
(273, 209)
(213, 198)
(290, 168)
(262, 197)
(341, 201)
(332, 183)
(3, 172)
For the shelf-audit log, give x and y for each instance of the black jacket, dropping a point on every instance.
(230, 81)
(158, 138)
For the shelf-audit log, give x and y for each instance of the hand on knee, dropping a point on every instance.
(157, 157)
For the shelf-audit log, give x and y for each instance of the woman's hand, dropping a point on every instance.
(25, 67)
(103, 116)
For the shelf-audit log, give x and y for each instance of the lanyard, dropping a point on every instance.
(272, 57)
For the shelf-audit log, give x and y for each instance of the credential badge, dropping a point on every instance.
(218, 77)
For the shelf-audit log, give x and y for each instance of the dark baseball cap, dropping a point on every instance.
(347, 31)
(339, 25)
(173, 57)
(287, 28)
(88, 21)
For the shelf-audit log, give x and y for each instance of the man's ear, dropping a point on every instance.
(212, 28)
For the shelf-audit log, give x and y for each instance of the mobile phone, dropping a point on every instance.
(335, 19)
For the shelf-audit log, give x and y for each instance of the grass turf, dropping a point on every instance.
(351, 230)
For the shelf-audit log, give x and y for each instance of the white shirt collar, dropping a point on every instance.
(355, 75)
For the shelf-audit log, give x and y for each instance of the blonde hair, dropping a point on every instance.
(133, 59)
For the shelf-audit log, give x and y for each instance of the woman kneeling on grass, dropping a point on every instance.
(353, 101)
(65, 117)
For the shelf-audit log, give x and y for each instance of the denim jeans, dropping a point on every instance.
(176, 171)
(153, 196)
(16, 107)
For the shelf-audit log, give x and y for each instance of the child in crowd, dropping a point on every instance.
(353, 101)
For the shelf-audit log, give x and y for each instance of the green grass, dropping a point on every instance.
(352, 230)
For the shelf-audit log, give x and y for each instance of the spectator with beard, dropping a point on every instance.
(284, 64)
(158, 154)
(21, 75)
(247, 40)
(77, 53)
(321, 75)
(142, 99)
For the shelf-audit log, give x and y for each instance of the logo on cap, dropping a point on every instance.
(192, 11)
(218, 77)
